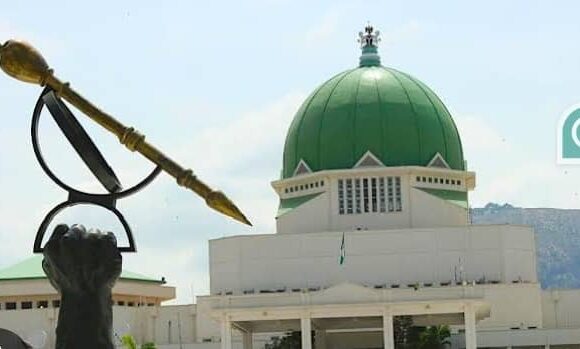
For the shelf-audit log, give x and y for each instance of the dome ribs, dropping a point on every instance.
(377, 109)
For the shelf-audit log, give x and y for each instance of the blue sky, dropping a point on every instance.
(215, 85)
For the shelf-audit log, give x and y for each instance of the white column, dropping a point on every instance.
(306, 329)
(226, 331)
(248, 340)
(470, 336)
(388, 333)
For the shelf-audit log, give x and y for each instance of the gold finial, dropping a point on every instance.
(23, 62)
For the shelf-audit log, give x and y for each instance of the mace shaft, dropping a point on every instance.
(128, 136)
(25, 63)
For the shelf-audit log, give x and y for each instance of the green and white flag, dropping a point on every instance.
(342, 251)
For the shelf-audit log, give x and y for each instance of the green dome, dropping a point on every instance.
(371, 108)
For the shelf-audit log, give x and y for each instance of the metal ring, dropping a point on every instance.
(38, 153)
(37, 248)
(92, 157)
(81, 142)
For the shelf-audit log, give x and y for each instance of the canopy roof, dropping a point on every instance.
(31, 268)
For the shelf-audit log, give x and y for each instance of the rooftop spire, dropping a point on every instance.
(369, 41)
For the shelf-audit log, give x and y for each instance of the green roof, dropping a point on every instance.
(371, 108)
(31, 268)
(458, 198)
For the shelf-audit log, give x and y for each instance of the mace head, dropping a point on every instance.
(23, 62)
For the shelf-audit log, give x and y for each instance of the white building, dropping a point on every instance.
(373, 223)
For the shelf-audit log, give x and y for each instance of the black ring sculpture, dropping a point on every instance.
(94, 160)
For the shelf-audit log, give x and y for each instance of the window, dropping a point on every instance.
(418, 179)
(349, 196)
(453, 181)
(316, 184)
(430, 179)
(121, 303)
(130, 304)
(369, 195)
(398, 204)
(391, 205)
(374, 194)
(382, 202)
(26, 305)
(366, 194)
(441, 180)
(340, 197)
(458, 182)
(286, 190)
(42, 304)
(10, 305)
(56, 303)
(424, 179)
(447, 181)
(322, 183)
(357, 195)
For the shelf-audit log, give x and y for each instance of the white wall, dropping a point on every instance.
(430, 211)
(512, 305)
(561, 308)
(28, 322)
(310, 216)
(146, 324)
(419, 209)
(497, 252)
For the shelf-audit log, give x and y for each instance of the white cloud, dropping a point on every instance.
(406, 32)
(507, 172)
(324, 29)
(249, 136)
(478, 135)
(48, 46)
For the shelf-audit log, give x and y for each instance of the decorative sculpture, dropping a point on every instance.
(370, 37)
(83, 266)
(25, 63)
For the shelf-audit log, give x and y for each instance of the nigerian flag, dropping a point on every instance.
(342, 251)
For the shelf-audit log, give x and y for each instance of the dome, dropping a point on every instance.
(371, 109)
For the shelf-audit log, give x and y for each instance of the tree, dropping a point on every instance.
(403, 331)
(129, 342)
(292, 340)
(435, 337)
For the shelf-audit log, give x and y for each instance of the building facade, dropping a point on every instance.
(372, 224)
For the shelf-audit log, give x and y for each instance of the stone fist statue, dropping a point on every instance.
(83, 266)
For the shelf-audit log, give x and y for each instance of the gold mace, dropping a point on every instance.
(23, 62)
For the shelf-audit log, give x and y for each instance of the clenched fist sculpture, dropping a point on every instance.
(83, 266)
